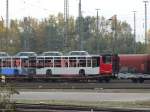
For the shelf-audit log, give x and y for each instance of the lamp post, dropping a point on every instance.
(97, 31)
(134, 41)
(113, 20)
(2, 39)
(146, 39)
(80, 26)
(7, 20)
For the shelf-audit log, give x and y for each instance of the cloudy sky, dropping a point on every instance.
(42, 8)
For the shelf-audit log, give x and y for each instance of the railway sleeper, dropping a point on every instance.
(138, 80)
(104, 79)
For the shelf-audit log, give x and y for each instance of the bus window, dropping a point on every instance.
(48, 61)
(4, 62)
(64, 62)
(88, 61)
(32, 61)
(24, 62)
(82, 61)
(8, 62)
(72, 61)
(13, 62)
(40, 62)
(16, 62)
(106, 59)
(95, 61)
(57, 61)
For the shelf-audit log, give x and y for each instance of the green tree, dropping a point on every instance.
(28, 35)
(2, 35)
(14, 37)
(47, 34)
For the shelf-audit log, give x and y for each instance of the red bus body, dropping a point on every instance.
(109, 64)
(105, 68)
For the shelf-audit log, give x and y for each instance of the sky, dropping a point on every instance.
(19, 9)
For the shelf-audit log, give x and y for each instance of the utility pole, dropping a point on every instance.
(115, 49)
(66, 16)
(146, 38)
(114, 28)
(7, 20)
(134, 41)
(1, 39)
(97, 31)
(80, 27)
(113, 20)
(26, 43)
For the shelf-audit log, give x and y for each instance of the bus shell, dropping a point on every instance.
(74, 65)
(14, 65)
(58, 65)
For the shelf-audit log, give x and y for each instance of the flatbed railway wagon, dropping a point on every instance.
(136, 65)
(100, 67)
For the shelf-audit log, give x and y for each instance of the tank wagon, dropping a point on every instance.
(135, 66)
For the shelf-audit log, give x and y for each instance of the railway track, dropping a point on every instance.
(68, 85)
(65, 108)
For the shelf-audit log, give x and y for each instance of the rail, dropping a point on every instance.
(67, 85)
(67, 108)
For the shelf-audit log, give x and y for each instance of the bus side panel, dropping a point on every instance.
(105, 68)
(7, 71)
(68, 70)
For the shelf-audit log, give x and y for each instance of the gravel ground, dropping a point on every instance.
(99, 90)
(82, 96)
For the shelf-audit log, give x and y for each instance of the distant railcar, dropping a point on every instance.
(135, 67)
(138, 63)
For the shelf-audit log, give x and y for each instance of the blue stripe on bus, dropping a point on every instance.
(7, 71)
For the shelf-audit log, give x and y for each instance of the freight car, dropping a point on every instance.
(135, 66)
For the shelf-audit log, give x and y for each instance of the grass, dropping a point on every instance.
(104, 104)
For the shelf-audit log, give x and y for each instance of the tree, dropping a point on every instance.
(6, 92)
(28, 35)
(48, 34)
(14, 37)
(148, 47)
(2, 34)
